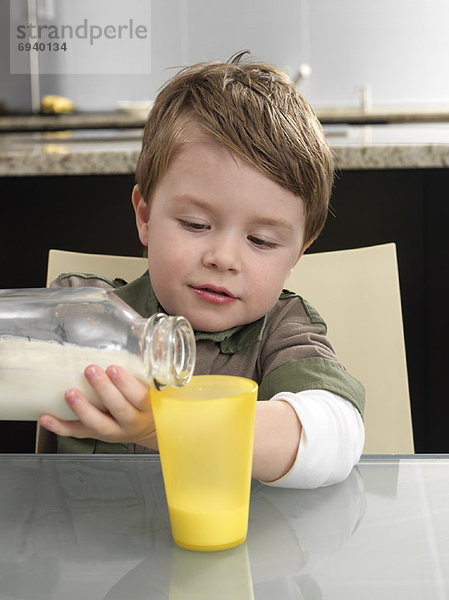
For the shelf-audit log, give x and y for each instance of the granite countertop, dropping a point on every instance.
(77, 152)
(393, 146)
(115, 151)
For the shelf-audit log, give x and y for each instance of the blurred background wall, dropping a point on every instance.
(395, 52)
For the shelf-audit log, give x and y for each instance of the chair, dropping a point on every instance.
(127, 267)
(357, 293)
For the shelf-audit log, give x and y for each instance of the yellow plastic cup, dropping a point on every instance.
(205, 432)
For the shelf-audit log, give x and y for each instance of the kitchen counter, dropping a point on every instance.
(127, 117)
(383, 114)
(77, 152)
(393, 146)
(51, 122)
(115, 151)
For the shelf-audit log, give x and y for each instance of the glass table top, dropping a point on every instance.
(98, 528)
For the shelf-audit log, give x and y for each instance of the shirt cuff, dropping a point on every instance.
(332, 439)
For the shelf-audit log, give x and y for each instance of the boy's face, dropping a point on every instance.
(221, 236)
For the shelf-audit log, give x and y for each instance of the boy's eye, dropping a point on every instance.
(192, 225)
(260, 243)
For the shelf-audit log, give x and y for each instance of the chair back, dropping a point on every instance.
(357, 293)
(111, 266)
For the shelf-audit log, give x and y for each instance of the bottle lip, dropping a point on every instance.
(170, 350)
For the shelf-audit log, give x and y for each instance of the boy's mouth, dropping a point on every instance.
(214, 294)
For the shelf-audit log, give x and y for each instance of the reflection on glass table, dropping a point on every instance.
(98, 528)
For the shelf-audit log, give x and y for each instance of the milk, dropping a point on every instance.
(34, 375)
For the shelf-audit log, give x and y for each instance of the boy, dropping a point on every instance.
(233, 184)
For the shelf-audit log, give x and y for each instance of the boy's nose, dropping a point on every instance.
(222, 255)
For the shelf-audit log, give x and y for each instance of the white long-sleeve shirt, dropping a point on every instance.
(331, 443)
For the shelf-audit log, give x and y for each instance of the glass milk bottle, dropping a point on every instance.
(49, 336)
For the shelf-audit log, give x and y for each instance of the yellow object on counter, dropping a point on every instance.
(56, 105)
(205, 432)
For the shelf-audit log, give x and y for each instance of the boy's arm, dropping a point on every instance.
(277, 437)
(320, 433)
(306, 440)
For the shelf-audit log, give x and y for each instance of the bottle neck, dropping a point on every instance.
(169, 350)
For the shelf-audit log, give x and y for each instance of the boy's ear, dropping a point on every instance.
(142, 214)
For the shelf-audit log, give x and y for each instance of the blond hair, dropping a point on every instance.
(256, 111)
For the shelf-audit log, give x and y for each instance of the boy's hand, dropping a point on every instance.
(129, 417)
